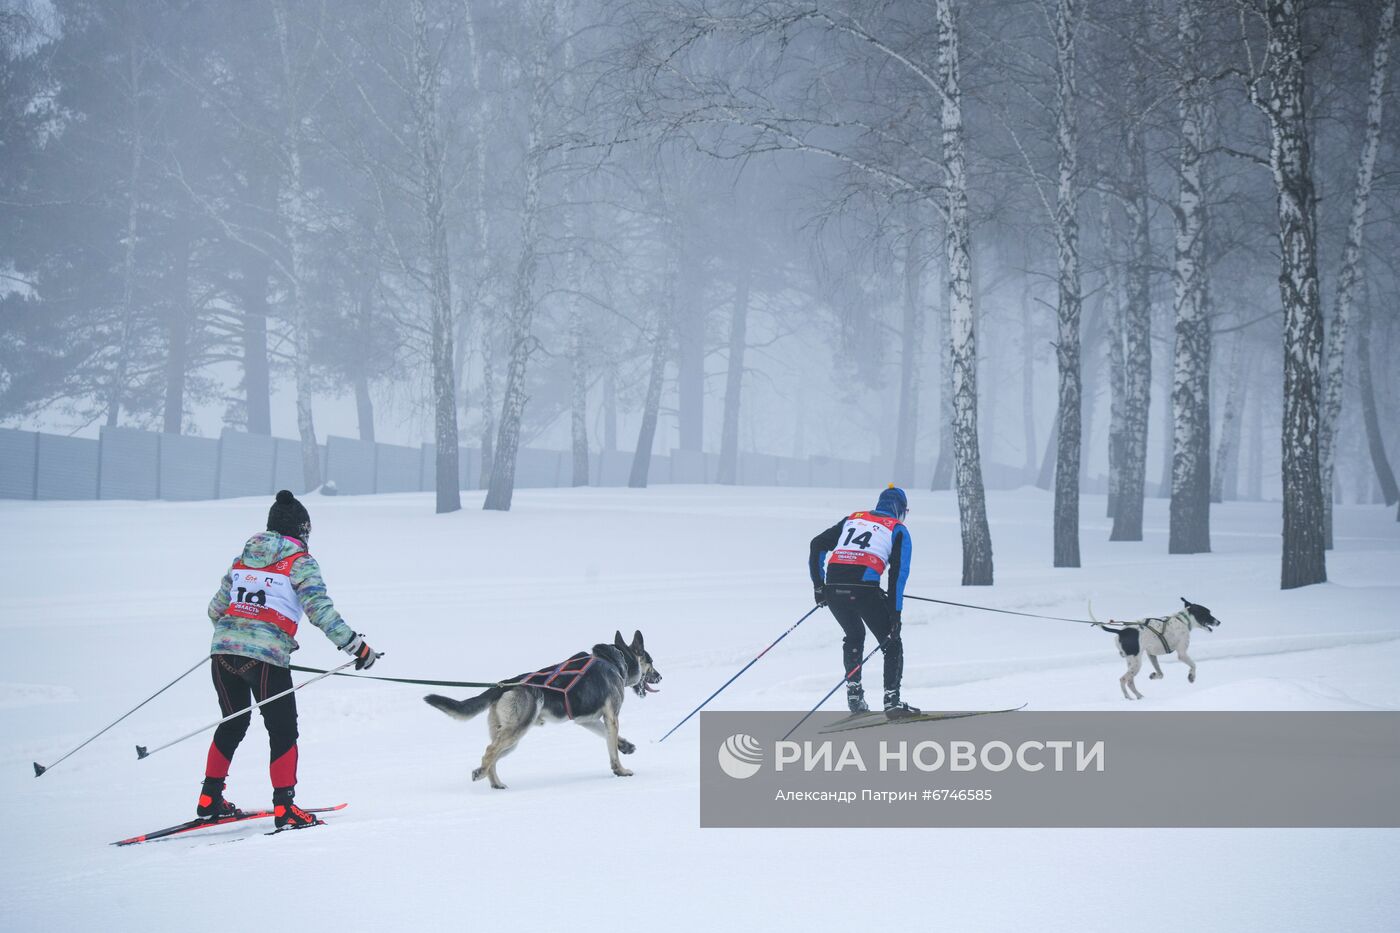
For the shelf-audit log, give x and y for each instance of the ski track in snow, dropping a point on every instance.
(479, 596)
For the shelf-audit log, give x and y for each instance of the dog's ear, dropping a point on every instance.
(637, 642)
(1185, 601)
(618, 643)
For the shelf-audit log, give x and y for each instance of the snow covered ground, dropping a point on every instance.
(105, 602)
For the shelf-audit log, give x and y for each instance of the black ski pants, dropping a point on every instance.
(239, 681)
(858, 608)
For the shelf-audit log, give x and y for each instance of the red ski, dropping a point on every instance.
(190, 826)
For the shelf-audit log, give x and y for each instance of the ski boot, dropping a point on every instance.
(855, 697)
(212, 805)
(287, 815)
(894, 709)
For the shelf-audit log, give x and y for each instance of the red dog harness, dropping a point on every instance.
(562, 678)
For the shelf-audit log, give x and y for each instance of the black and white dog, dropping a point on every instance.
(1154, 636)
(590, 692)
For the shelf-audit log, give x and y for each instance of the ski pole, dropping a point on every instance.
(741, 671)
(142, 752)
(849, 674)
(40, 769)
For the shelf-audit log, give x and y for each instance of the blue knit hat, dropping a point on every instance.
(893, 501)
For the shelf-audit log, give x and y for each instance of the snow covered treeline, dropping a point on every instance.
(1092, 239)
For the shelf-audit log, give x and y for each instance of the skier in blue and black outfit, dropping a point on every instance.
(862, 546)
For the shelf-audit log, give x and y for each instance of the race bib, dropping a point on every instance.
(265, 594)
(866, 541)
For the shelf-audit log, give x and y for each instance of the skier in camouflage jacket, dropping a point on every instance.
(255, 614)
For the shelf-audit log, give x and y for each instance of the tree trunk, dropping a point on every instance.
(255, 268)
(1137, 332)
(427, 76)
(1351, 259)
(690, 351)
(1254, 488)
(1046, 478)
(502, 488)
(257, 386)
(967, 457)
(116, 393)
(1028, 384)
(1113, 335)
(1304, 555)
(1227, 449)
(734, 377)
(578, 395)
(488, 402)
(578, 328)
(486, 311)
(651, 407)
(1068, 450)
(943, 466)
(1384, 474)
(578, 367)
(610, 408)
(294, 211)
(911, 356)
(1190, 504)
(177, 359)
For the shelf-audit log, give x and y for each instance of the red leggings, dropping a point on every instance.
(239, 681)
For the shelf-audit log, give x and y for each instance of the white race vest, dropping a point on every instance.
(866, 541)
(265, 594)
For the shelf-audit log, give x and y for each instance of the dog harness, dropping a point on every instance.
(866, 541)
(562, 677)
(265, 594)
(1160, 633)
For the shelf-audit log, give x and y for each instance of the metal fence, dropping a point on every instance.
(126, 463)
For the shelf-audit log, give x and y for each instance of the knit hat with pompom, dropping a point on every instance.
(289, 517)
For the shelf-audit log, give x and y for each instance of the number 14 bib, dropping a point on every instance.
(866, 541)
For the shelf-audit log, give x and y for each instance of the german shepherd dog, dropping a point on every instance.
(1167, 635)
(593, 701)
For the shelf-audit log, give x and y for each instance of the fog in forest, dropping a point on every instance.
(1119, 248)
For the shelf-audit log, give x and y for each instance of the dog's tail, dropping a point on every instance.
(464, 709)
(1098, 624)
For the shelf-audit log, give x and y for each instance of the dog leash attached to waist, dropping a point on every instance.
(1009, 612)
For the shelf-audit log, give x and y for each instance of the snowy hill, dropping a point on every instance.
(106, 601)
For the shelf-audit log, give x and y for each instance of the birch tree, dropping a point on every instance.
(296, 66)
(1351, 271)
(1064, 24)
(1137, 314)
(427, 75)
(1276, 85)
(1189, 531)
(540, 14)
(967, 456)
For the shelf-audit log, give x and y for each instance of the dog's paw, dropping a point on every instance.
(622, 772)
(478, 773)
(1154, 676)
(625, 747)
(1191, 677)
(497, 786)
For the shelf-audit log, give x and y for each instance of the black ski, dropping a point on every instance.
(871, 720)
(190, 826)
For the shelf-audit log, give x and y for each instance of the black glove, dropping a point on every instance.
(819, 593)
(896, 622)
(364, 655)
